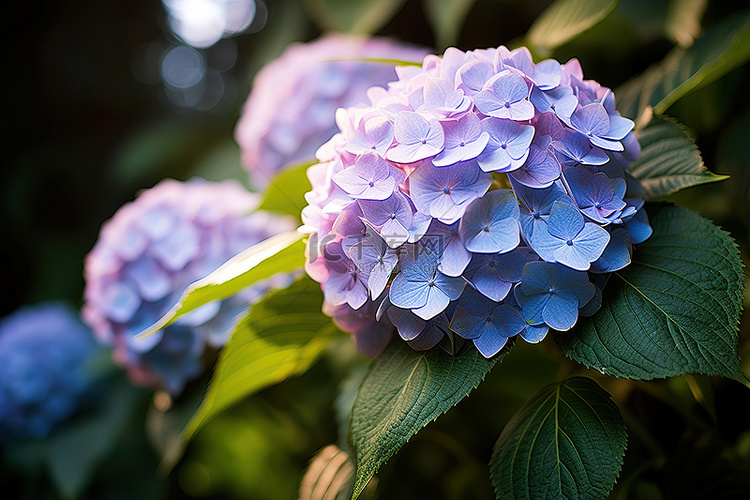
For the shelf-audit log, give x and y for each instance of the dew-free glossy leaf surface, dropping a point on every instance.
(404, 391)
(281, 336)
(674, 310)
(566, 442)
(669, 160)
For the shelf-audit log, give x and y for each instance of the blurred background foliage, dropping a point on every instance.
(91, 117)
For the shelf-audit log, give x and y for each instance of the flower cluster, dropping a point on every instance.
(149, 252)
(480, 195)
(290, 111)
(44, 351)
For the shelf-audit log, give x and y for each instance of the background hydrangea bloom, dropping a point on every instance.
(44, 352)
(149, 252)
(290, 111)
(456, 251)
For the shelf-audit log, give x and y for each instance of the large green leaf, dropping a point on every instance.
(286, 193)
(566, 442)
(447, 18)
(720, 50)
(282, 253)
(673, 311)
(564, 20)
(353, 16)
(404, 391)
(281, 336)
(669, 160)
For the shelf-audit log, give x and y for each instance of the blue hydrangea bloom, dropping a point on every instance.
(488, 323)
(552, 294)
(149, 252)
(44, 377)
(454, 254)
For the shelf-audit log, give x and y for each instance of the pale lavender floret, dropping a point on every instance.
(445, 241)
(536, 205)
(602, 129)
(569, 240)
(471, 77)
(487, 323)
(376, 259)
(464, 140)
(558, 101)
(493, 275)
(373, 134)
(617, 254)
(599, 197)
(349, 227)
(392, 216)
(552, 294)
(540, 170)
(183, 232)
(371, 178)
(408, 324)
(418, 138)
(505, 95)
(491, 223)
(445, 192)
(420, 286)
(508, 145)
(444, 102)
(346, 283)
(576, 149)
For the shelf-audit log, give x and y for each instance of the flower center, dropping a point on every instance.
(504, 146)
(536, 214)
(447, 190)
(507, 104)
(569, 243)
(491, 263)
(393, 216)
(371, 183)
(551, 290)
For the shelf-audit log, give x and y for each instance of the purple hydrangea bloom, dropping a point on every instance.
(149, 252)
(44, 352)
(290, 111)
(452, 251)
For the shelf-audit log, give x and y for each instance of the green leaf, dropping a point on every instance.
(720, 50)
(282, 253)
(286, 193)
(669, 160)
(566, 442)
(447, 18)
(673, 311)
(281, 336)
(564, 20)
(353, 16)
(404, 391)
(329, 476)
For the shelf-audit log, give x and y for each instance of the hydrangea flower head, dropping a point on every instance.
(485, 198)
(291, 109)
(44, 352)
(149, 252)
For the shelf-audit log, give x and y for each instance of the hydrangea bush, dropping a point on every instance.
(480, 195)
(45, 353)
(290, 110)
(172, 235)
